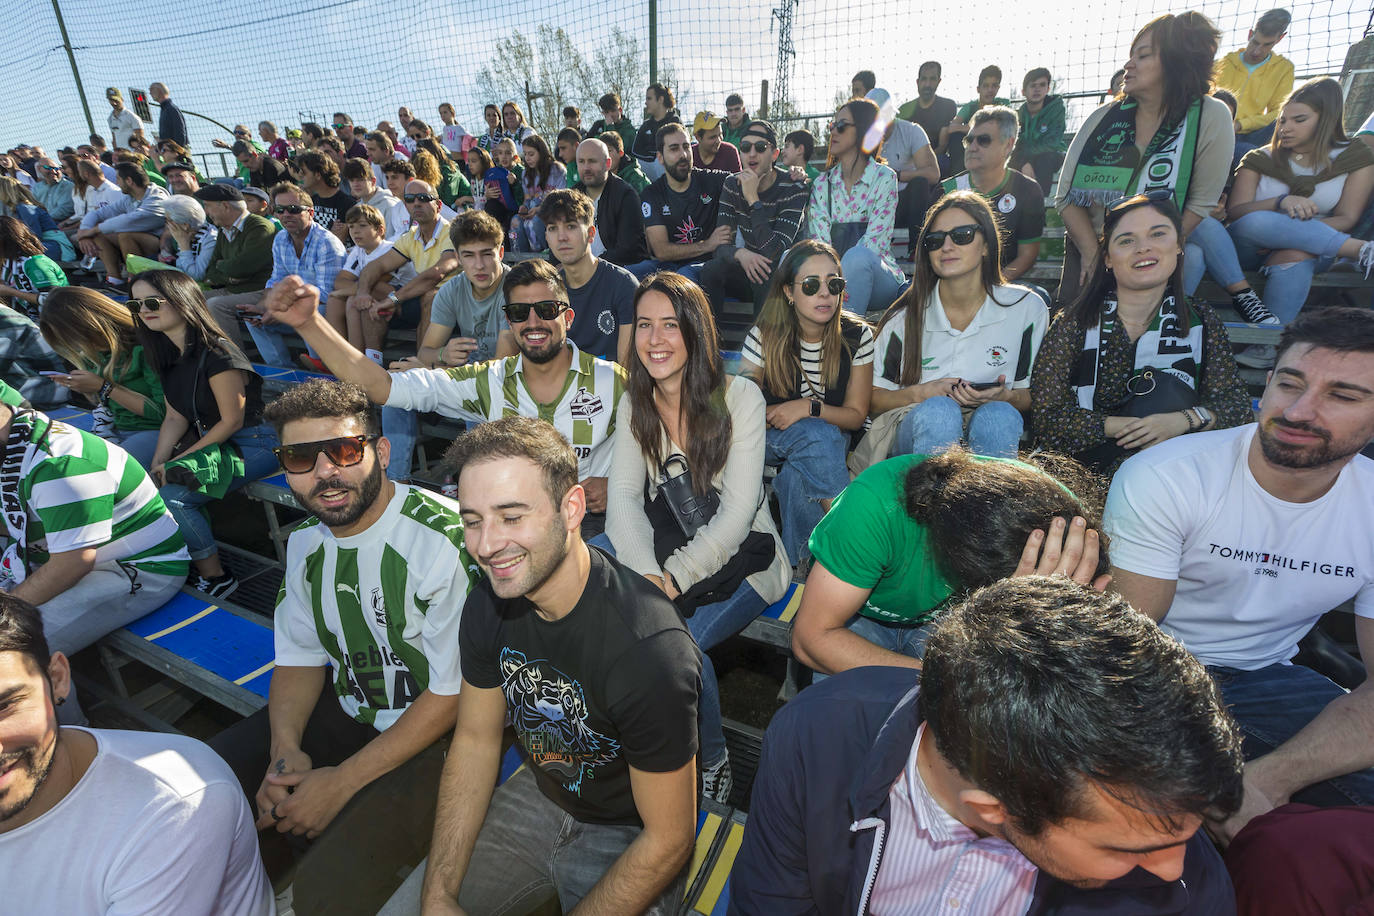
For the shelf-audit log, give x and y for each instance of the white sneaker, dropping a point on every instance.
(1258, 356)
(716, 781)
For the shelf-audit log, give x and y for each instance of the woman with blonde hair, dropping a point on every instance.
(100, 338)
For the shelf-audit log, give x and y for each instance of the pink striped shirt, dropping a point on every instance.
(933, 864)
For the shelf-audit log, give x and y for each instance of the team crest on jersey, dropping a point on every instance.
(997, 356)
(1007, 203)
(548, 710)
(646, 209)
(666, 210)
(706, 199)
(605, 322)
(379, 607)
(585, 405)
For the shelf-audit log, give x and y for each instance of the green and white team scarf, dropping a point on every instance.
(1110, 167)
(1172, 345)
(13, 570)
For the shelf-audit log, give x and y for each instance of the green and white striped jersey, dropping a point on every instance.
(381, 606)
(584, 412)
(80, 491)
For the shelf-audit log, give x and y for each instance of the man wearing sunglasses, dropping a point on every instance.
(352, 143)
(374, 588)
(549, 378)
(427, 248)
(762, 210)
(53, 191)
(1017, 201)
(681, 210)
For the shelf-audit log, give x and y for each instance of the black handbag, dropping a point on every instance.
(1150, 391)
(676, 513)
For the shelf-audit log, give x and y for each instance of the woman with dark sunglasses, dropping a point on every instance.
(1132, 362)
(814, 363)
(212, 438)
(682, 413)
(954, 353)
(853, 206)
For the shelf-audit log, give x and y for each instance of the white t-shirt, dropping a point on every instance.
(356, 258)
(452, 137)
(901, 148)
(157, 825)
(382, 606)
(1326, 196)
(1254, 572)
(811, 355)
(1001, 340)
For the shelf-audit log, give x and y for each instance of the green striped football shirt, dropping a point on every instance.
(584, 412)
(80, 491)
(381, 606)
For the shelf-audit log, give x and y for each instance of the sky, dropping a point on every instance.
(294, 60)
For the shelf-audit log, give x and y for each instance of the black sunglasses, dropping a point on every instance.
(812, 285)
(411, 198)
(546, 309)
(1156, 196)
(840, 125)
(761, 146)
(151, 304)
(962, 235)
(345, 451)
(983, 140)
(291, 208)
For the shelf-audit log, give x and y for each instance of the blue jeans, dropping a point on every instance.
(1210, 250)
(140, 444)
(1254, 139)
(811, 452)
(868, 283)
(1273, 704)
(653, 265)
(402, 427)
(256, 444)
(711, 625)
(527, 233)
(1287, 286)
(937, 423)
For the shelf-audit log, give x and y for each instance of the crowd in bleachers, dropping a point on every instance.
(1053, 564)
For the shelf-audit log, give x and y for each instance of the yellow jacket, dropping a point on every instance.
(1260, 94)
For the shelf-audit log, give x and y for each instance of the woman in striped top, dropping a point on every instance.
(814, 362)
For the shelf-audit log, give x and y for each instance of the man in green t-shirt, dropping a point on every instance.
(989, 84)
(911, 532)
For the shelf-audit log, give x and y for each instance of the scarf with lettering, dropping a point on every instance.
(1172, 345)
(1110, 166)
(18, 448)
(1355, 156)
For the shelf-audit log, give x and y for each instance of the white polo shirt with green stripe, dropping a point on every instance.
(584, 412)
(80, 491)
(381, 606)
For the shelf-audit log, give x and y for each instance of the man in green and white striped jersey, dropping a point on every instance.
(374, 588)
(551, 379)
(88, 540)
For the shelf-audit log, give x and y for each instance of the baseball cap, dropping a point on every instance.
(113, 93)
(259, 193)
(705, 120)
(173, 166)
(218, 193)
(760, 129)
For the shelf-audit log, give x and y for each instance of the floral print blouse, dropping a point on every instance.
(874, 198)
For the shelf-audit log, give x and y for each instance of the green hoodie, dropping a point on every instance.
(1042, 132)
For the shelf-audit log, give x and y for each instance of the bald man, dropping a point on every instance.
(619, 228)
(171, 124)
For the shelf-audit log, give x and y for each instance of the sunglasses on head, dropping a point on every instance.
(812, 285)
(546, 309)
(1156, 196)
(291, 208)
(150, 304)
(345, 451)
(983, 140)
(424, 198)
(760, 146)
(962, 235)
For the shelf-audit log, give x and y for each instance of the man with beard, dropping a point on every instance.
(1238, 540)
(550, 377)
(374, 588)
(1057, 753)
(599, 678)
(147, 822)
(681, 210)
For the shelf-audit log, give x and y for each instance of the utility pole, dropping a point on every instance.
(653, 40)
(786, 52)
(76, 74)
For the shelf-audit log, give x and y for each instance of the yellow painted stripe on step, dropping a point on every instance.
(720, 872)
(791, 610)
(252, 674)
(185, 623)
(705, 837)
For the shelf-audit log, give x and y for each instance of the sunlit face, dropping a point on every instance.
(1318, 408)
(843, 135)
(977, 156)
(361, 188)
(756, 153)
(1112, 839)
(529, 155)
(1037, 89)
(818, 309)
(365, 234)
(493, 116)
(792, 154)
(1143, 250)
(338, 496)
(658, 338)
(569, 240)
(28, 733)
(539, 340)
(504, 154)
(295, 223)
(1144, 72)
(1259, 46)
(480, 262)
(446, 113)
(166, 319)
(376, 153)
(927, 82)
(511, 117)
(709, 141)
(511, 527)
(951, 259)
(988, 88)
(396, 182)
(424, 212)
(592, 164)
(677, 155)
(735, 114)
(567, 151)
(1297, 126)
(182, 181)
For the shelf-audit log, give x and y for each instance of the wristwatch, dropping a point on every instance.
(815, 407)
(391, 297)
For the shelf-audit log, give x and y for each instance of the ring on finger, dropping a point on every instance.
(275, 815)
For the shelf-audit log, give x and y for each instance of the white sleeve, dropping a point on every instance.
(1039, 320)
(752, 351)
(1145, 519)
(452, 393)
(192, 859)
(889, 333)
(864, 355)
(626, 524)
(446, 591)
(295, 640)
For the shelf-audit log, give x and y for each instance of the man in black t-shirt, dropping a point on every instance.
(931, 111)
(599, 678)
(1017, 201)
(681, 210)
(659, 109)
(601, 294)
(263, 171)
(320, 176)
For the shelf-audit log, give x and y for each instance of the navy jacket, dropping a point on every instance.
(171, 124)
(820, 802)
